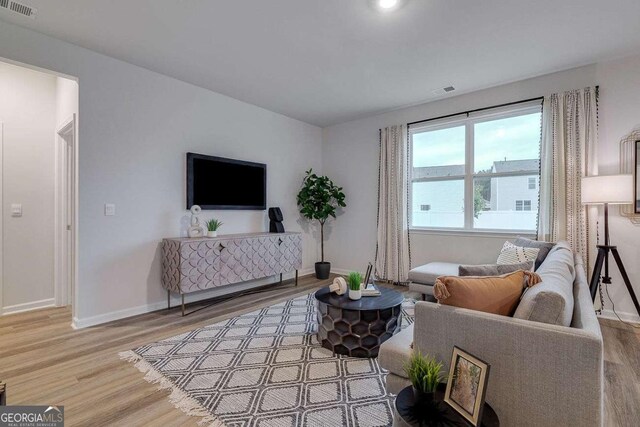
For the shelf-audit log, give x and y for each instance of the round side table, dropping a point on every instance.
(357, 328)
(435, 414)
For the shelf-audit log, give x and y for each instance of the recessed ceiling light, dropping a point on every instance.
(387, 4)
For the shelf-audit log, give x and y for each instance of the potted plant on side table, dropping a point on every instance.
(425, 373)
(355, 282)
(318, 200)
(213, 225)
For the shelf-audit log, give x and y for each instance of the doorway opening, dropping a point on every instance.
(38, 188)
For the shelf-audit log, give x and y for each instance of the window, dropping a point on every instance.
(477, 171)
(523, 205)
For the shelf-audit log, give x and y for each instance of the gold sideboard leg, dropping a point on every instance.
(296, 277)
(182, 305)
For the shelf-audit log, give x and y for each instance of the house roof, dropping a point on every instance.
(516, 165)
(438, 171)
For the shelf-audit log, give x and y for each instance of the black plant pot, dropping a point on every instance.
(421, 397)
(322, 270)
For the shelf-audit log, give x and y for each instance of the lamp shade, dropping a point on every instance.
(613, 189)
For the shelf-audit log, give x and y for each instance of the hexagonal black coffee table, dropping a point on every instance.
(357, 328)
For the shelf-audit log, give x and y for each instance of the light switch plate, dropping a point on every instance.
(16, 209)
(109, 209)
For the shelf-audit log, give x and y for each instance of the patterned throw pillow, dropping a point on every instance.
(512, 254)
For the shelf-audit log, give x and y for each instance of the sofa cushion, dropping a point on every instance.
(512, 254)
(428, 273)
(544, 247)
(491, 294)
(492, 269)
(396, 351)
(551, 301)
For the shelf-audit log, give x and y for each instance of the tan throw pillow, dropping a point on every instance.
(512, 254)
(491, 294)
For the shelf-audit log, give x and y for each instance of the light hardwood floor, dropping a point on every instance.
(44, 361)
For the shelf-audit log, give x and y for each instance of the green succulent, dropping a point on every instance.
(213, 224)
(354, 279)
(424, 372)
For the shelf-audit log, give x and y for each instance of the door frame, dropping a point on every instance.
(65, 258)
(1, 217)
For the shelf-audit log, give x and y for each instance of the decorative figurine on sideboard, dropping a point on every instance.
(196, 229)
(275, 221)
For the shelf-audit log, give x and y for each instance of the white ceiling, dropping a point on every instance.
(329, 61)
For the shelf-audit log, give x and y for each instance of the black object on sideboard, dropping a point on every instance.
(275, 221)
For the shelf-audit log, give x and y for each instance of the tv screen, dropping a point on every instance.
(218, 183)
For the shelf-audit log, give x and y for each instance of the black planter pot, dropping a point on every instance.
(421, 397)
(322, 270)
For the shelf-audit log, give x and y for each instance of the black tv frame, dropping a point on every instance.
(190, 195)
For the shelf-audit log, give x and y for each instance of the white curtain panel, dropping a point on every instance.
(568, 152)
(392, 252)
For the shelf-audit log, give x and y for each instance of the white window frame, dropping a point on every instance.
(469, 120)
(534, 183)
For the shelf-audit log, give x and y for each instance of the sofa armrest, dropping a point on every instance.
(540, 374)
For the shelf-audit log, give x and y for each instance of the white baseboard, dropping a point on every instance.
(27, 306)
(341, 271)
(117, 315)
(160, 305)
(627, 317)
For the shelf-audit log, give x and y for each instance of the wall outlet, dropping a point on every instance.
(16, 209)
(109, 209)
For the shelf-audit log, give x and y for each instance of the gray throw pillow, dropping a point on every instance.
(544, 247)
(493, 269)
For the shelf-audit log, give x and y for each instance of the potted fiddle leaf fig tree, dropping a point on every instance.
(318, 200)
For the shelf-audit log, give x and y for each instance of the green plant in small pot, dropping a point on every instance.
(213, 225)
(354, 280)
(425, 373)
(318, 200)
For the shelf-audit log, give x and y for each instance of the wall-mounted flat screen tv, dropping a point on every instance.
(219, 183)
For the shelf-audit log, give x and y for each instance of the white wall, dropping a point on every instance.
(27, 109)
(66, 100)
(135, 129)
(619, 114)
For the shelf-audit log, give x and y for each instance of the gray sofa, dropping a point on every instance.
(541, 373)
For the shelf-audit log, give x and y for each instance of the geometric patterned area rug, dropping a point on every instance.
(267, 369)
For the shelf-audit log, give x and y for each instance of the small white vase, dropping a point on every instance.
(355, 295)
(212, 234)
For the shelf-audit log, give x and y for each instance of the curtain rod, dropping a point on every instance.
(539, 98)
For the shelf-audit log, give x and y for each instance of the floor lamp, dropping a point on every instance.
(608, 190)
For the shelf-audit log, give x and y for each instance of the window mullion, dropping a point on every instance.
(468, 181)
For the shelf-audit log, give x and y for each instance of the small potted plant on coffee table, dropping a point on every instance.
(425, 373)
(355, 280)
(212, 227)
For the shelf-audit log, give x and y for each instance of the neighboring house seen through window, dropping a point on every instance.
(477, 171)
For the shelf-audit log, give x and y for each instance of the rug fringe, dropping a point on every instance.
(178, 398)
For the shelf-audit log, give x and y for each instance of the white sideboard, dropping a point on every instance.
(197, 264)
